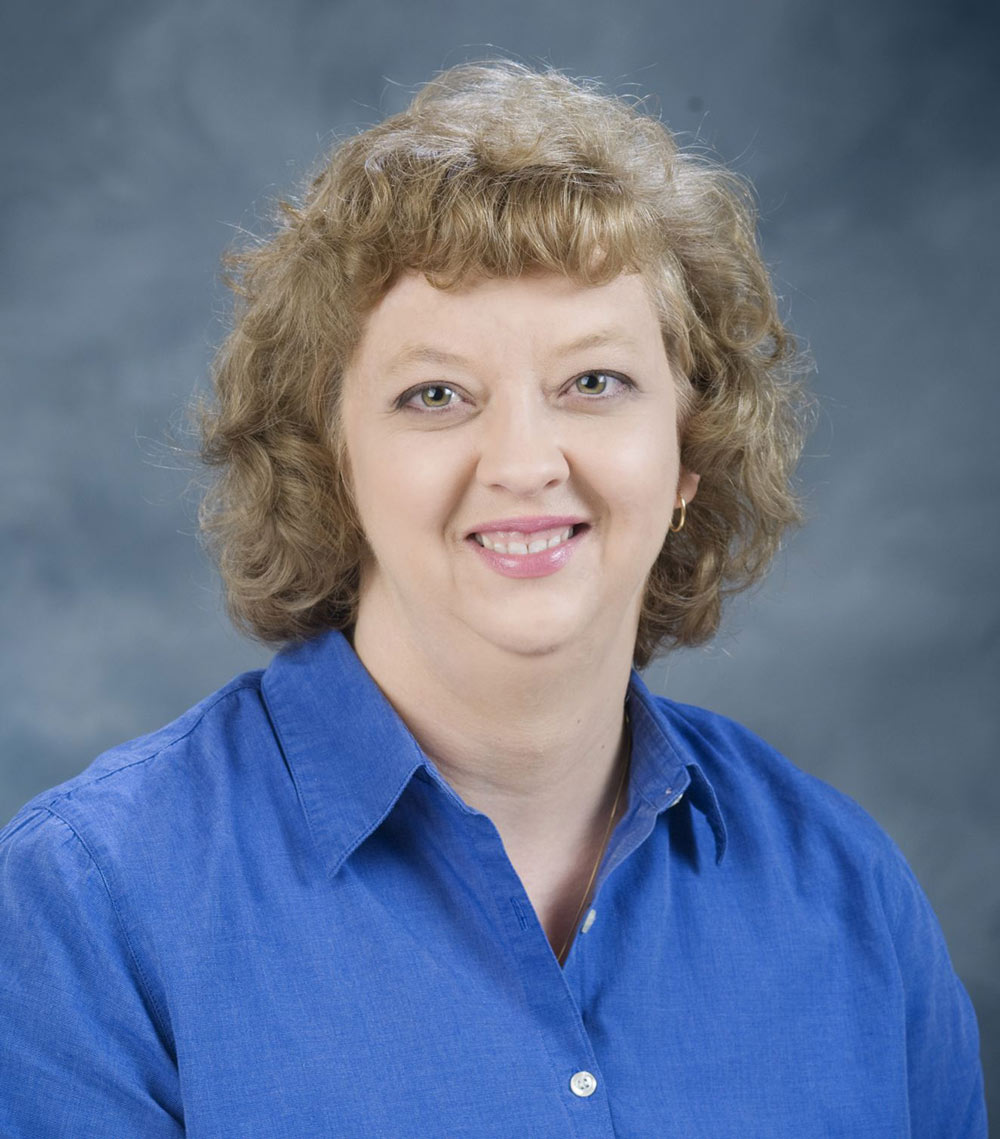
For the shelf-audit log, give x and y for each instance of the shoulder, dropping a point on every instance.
(737, 758)
(811, 855)
(802, 841)
(138, 790)
(777, 813)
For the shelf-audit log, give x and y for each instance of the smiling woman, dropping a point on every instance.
(497, 172)
(507, 409)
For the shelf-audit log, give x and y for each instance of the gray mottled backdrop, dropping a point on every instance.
(138, 138)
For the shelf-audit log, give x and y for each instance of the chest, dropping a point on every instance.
(419, 995)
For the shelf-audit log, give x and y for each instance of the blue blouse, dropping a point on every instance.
(274, 918)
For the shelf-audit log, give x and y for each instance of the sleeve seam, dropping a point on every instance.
(161, 1022)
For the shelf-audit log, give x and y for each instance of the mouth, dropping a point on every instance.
(514, 543)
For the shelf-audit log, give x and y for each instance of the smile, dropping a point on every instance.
(515, 554)
(517, 543)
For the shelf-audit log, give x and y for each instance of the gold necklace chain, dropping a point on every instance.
(607, 834)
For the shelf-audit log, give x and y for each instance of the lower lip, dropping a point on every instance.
(531, 565)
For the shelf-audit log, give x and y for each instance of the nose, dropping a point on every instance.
(519, 451)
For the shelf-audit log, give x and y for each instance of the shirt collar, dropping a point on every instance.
(663, 765)
(351, 756)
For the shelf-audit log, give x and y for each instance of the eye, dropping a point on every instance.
(598, 383)
(430, 397)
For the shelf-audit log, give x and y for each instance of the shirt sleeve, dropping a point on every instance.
(82, 1049)
(944, 1070)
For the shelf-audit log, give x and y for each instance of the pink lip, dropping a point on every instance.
(530, 565)
(528, 525)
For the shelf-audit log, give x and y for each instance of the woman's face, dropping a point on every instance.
(504, 414)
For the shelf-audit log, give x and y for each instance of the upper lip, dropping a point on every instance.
(528, 525)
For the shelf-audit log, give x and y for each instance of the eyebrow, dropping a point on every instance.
(428, 354)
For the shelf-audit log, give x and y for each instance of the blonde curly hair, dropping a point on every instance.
(497, 169)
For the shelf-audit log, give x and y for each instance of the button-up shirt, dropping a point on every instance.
(275, 918)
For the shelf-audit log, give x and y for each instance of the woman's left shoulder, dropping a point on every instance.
(818, 866)
(767, 799)
(806, 839)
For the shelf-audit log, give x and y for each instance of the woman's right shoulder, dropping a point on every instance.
(132, 787)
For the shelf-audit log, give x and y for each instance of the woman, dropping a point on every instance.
(506, 410)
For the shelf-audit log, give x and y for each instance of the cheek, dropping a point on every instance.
(399, 486)
(370, 478)
(645, 469)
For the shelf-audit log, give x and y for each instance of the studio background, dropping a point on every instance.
(140, 140)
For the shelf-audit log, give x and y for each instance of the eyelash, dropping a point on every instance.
(404, 400)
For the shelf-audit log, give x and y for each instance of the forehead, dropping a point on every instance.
(417, 322)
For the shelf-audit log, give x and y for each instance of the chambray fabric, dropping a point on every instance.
(274, 918)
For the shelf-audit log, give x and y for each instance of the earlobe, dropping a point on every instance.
(687, 486)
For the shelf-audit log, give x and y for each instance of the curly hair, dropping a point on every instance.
(497, 169)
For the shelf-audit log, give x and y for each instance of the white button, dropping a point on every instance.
(583, 1084)
(588, 921)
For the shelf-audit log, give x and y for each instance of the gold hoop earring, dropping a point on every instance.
(680, 525)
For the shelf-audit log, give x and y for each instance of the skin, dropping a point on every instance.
(514, 687)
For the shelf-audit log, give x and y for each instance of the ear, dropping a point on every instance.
(687, 486)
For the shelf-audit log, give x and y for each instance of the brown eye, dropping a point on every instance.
(593, 383)
(436, 396)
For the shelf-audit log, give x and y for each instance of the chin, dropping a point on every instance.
(533, 649)
(527, 635)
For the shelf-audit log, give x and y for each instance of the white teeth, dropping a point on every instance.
(525, 543)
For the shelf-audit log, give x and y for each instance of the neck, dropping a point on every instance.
(535, 742)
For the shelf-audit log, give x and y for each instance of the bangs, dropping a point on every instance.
(456, 220)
